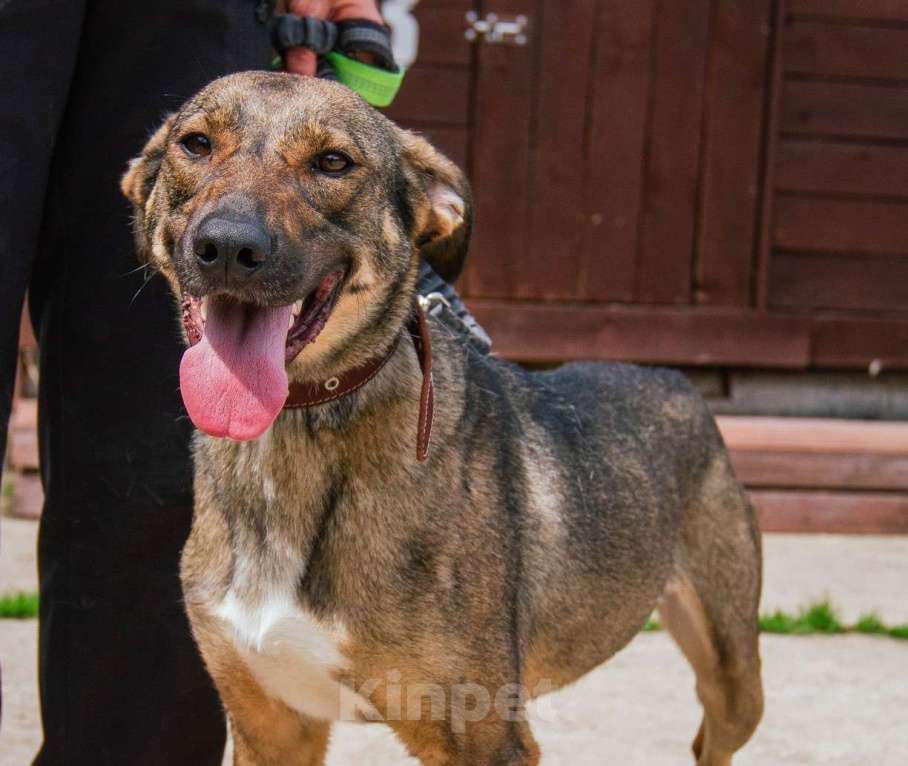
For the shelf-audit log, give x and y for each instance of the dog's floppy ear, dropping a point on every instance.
(442, 208)
(139, 178)
(138, 181)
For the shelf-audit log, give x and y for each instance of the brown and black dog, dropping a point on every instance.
(331, 573)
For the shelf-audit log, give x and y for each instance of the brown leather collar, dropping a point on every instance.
(312, 394)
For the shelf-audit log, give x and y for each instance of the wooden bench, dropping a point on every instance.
(818, 475)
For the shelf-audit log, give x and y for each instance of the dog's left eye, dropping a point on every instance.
(197, 145)
(332, 163)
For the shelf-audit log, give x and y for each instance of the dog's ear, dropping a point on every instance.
(139, 178)
(441, 205)
(138, 181)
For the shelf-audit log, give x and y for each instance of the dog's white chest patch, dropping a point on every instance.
(292, 655)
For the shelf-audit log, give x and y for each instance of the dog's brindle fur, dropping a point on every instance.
(554, 512)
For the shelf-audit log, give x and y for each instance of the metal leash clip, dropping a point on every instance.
(433, 303)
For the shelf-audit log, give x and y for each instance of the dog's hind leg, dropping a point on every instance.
(710, 607)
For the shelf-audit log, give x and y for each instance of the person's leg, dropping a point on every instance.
(33, 88)
(121, 680)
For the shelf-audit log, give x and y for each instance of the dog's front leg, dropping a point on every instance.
(488, 742)
(279, 738)
(266, 732)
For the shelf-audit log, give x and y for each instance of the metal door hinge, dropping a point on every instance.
(495, 29)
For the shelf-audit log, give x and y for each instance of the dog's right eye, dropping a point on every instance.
(332, 163)
(196, 145)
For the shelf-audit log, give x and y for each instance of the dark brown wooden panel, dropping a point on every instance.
(551, 332)
(892, 10)
(556, 180)
(617, 127)
(28, 496)
(501, 157)
(672, 161)
(842, 341)
(432, 94)
(451, 141)
(823, 280)
(842, 168)
(729, 208)
(23, 443)
(844, 225)
(770, 150)
(844, 109)
(441, 28)
(834, 512)
(816, 47)
(793, 470)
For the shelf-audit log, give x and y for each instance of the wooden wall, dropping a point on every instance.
(840, 223)
(437, 93)
(716, 182)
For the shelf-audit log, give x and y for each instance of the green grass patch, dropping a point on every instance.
(778, 622)
(18, 606)
(870, 623)
(652, 624)
(816, 618)
(7, 490)
(819, 618)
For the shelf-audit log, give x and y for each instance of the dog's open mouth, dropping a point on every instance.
(307, 316)
(233, 377)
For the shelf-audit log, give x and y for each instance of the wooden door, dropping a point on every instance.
(591, 196)
(611, 190)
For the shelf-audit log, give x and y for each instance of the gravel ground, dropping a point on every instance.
(835, 701)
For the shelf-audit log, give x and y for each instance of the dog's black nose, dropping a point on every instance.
(231, 245)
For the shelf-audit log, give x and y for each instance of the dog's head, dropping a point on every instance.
(289, 218)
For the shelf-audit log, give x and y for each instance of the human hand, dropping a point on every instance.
(304, 61)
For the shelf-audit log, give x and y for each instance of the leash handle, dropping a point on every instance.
(335, 42)
(378, 86)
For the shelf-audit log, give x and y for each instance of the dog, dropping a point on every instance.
(388, 525)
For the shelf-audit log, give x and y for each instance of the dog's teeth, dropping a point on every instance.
(297, 308)
(203, 308)
(290, 323)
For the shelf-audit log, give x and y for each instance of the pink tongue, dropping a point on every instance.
(233, 381)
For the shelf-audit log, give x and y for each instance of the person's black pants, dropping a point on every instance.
(82, 84)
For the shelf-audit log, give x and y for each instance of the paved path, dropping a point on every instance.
(858, 574)
(835, 701)
(18, 572)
